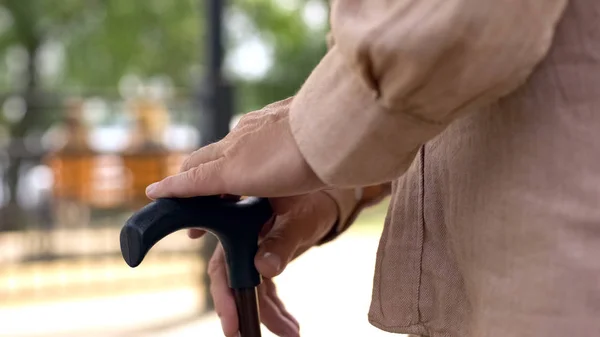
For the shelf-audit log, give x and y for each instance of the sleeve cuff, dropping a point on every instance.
(347, 201)
(347, 137)
(350, 203)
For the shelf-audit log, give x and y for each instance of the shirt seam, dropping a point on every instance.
(422, 234)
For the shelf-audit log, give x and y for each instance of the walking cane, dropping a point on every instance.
(236, 223)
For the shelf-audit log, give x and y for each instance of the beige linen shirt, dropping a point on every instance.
(483, 115)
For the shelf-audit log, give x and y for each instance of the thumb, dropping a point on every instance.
(279, 247)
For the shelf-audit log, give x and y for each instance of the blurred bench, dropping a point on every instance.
(88, 262)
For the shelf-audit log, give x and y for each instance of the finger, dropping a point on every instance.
(273, 318)
(266, 228)
(202, 180)
(221, 293)
(286, 204)
(271, 292)
(195, 233)
(203, 155)
(279, 247)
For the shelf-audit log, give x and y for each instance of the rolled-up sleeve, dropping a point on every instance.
(401, 71)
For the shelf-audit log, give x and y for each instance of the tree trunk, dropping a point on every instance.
(12, 214)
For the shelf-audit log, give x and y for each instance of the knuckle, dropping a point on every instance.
(187, 162)
(246, 120)
(220, 174)
(267, 115)
(194, 176)
(282, 243)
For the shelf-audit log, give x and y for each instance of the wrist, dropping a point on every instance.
(346, 201)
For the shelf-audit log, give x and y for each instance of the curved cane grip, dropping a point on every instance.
(236, 224)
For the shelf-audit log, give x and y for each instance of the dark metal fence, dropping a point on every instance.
(56, 248)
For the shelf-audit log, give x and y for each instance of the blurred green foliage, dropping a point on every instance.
(51, 50)
(97, 42)
(297, 50)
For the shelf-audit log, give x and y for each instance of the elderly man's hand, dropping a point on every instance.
(300, 223)
(258, 157)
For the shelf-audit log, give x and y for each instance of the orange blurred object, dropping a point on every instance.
(111, 180)
(146, 159)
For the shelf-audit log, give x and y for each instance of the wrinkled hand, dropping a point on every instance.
(299, 224)
(258, 157)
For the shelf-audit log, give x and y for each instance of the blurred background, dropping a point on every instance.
(98, 99)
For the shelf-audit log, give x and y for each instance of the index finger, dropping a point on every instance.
(203, 155)
(205, 179)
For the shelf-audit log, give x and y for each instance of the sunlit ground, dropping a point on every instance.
(328, 290)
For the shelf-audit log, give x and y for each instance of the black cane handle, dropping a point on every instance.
(236, 223)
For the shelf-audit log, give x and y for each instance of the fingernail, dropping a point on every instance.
(272, 260)
(151, 188)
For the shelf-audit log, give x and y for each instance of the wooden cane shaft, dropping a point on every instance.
(246, 300)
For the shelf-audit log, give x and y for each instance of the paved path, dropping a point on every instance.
(328, 290)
